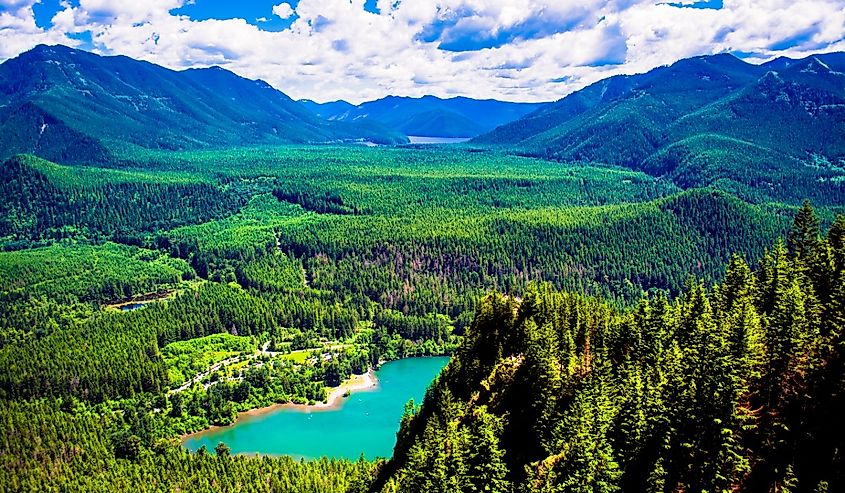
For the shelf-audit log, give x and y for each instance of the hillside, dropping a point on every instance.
(428, 116)
(209, 284)
(383, 253)
(730, 389)
(327, 111)
(703, 121)
(72, 106)
(450, 232)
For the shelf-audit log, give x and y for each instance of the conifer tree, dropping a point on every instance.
(804, 233)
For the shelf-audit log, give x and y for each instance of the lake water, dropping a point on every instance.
(132, 306)
(366, 422)
(437, 140)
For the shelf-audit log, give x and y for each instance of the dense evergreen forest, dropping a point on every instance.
(633, 285)
(734, 387)
(169, 291)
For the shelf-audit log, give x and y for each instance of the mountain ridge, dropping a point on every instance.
(795, 115)
(117, 102)
(428, 116)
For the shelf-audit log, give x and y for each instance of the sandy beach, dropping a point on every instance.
(355, 383)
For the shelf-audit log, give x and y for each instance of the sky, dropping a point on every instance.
(360, 50)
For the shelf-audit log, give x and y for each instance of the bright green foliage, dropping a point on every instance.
(273, 273)
(186, 359)
(307, 264)
(90, 273)
(44, 289)
(384, 221)
(410, 230)
(337, 258)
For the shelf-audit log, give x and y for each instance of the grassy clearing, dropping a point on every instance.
(186, 359)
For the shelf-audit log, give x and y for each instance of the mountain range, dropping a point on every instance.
(428, 116)
(72, 106)
(753, 130)
(699, 121)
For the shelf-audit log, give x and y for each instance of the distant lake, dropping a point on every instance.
(438, 140)
(366, 422)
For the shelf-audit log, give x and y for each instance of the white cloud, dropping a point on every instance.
(515, 49)
(283, 10)
(18, 31)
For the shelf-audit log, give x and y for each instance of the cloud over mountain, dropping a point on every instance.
(357, 50)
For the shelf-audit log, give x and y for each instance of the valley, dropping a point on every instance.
(638, 287)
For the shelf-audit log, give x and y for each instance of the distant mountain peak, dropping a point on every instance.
(781, 112)
(45, 48)
(428, 116)
(816, 66)
(97, 103)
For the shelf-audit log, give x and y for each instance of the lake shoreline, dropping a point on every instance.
(364, 424)
(424, 140)
(334, 401)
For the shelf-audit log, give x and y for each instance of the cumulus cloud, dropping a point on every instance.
(283, 10)
(527, 50)
(19, 32)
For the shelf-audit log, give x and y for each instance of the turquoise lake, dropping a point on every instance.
(366, 423)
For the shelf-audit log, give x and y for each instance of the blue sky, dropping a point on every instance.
(256, 12)
(518, 50)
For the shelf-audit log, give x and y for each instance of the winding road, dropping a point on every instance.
(220, 364)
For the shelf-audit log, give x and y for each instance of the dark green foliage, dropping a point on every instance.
(222, 450)
(369, 224)
(94, 273)
(116, 354)
(312, 199)
(804, 235)
(351, 256)
(729, 389)
(45, 289)
(273, 273)
(45, 448)
(112, 355)
(28, 127)
(43, 200)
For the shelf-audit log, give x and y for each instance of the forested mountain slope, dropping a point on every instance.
(429, 116)
(79, 449)
(386, 251)
(44, 200)
(329, 110)
(735, 388)
(703, 121)
(373, 221)
(72, 106)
